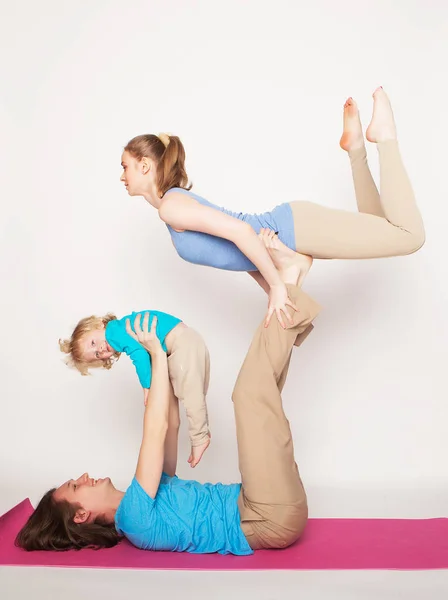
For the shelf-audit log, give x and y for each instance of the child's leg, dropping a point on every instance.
(272, 502)
(189, 368)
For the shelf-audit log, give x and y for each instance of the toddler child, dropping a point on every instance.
(99, 341)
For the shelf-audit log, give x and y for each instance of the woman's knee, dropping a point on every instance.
(417, 241)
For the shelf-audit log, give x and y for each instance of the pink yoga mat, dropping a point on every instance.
(326, 544)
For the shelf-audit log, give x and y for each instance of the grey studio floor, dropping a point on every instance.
(45, 583)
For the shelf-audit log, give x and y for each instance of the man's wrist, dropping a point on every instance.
(158, 354)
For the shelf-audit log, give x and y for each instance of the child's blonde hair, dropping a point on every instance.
(72, 347)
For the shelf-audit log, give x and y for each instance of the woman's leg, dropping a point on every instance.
(272, 502)
(366, 192)
(352, 141)
(329, 233)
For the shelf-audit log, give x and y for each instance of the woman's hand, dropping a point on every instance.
(147, 338)
(278, 301)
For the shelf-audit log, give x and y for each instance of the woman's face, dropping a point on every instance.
(93, 496)
(135, 174)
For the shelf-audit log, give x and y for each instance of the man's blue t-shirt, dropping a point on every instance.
(185, 516)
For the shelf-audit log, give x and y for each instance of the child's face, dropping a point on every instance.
(94, 345)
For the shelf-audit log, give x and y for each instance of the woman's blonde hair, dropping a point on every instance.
(168, 152)
(72, 347)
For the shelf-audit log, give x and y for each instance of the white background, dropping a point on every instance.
(255, 91)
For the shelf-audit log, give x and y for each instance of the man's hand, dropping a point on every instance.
(147, 338)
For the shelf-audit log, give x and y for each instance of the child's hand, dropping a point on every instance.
(147, 338)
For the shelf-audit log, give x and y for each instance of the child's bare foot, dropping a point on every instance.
(382, 126)
(352, 137)
(197, 452)
(292, 266)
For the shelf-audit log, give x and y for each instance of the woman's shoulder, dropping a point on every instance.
(173, 206)
(182, 192)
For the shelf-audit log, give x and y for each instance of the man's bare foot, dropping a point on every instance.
(292, 266)
(197, 452)
(352, 138)
(382, 126)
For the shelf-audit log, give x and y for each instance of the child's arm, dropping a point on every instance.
(124, 340)
(142, 362)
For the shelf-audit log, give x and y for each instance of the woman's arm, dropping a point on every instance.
(260, 280)
(155, 420)
(183, 212)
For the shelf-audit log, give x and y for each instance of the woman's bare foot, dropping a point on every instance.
(197, 452)
(292, 266)
(352, 138)
(382, 126)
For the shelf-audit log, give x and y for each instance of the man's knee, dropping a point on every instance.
(284, 527)
(239, 391)
(293, 525)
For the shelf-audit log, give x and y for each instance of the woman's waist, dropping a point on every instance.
(278, 219)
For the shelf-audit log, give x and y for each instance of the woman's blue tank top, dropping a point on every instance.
(211, 251)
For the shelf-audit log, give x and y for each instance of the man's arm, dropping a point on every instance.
(156, 418)
(172, 436)
(155, 427)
